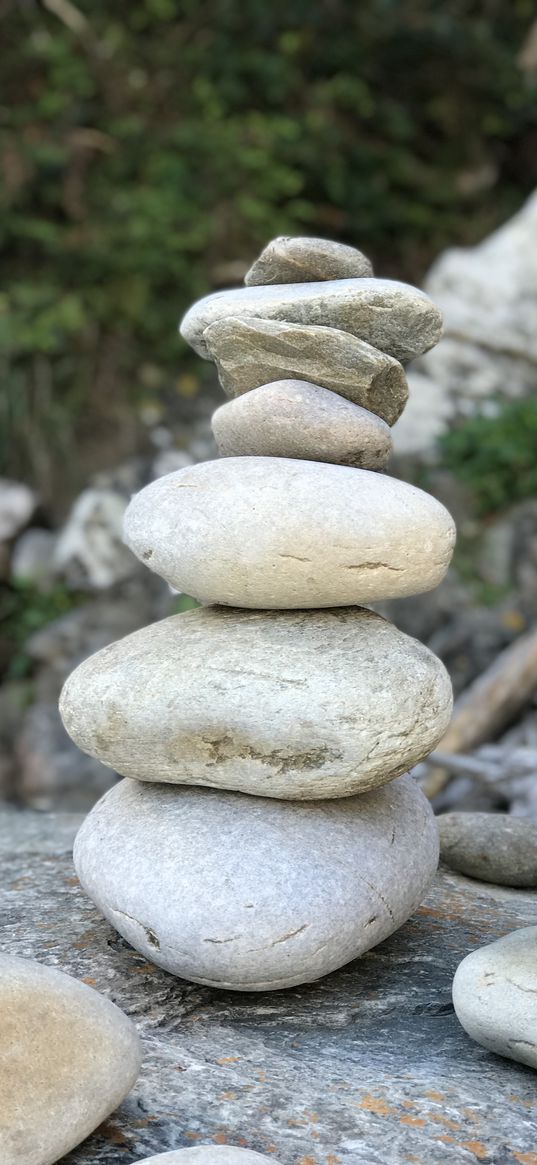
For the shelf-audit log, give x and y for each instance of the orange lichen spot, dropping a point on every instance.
(376, 1104)
(220, 1138)
(193, 1136)
(412, 1159)
(228, 1096)
(331, 1160)
(415, 1121)
(89, 981)
(526, 1158)
(445, 1139)
(306, 1161)
(438, 1096)
(444, 1120)
(112, 1133)
(480, 1150)
(228, 1060)
(408, 1103)
(144, 968)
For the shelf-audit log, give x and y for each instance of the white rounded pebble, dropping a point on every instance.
(271, 532)
(68, 1057)
(495, 996)
(252, 894)
(209, 1154)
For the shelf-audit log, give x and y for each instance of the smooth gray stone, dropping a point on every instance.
(209, 1155)
(278, 533)
(495, 996)
(68, 1057)
(254, 894)
(368, 1065)
(290, 704)
(494, 847)
(292, 418)
(301, 260)
(252, 352)
(394, 317)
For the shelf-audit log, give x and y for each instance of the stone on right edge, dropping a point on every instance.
(495, 996)
(254, 894)
(273, 532)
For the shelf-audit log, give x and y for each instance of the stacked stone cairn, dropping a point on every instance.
(266, 835)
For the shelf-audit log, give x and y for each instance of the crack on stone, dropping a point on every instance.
(519, 987)
(226, 749)
(282, 939)
(220, 941)
(372, 566)
(151, 937)
(294, 557)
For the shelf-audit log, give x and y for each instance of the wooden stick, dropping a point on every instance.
(489, 704)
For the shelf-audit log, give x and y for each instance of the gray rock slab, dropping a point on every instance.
(495, 995)
(367, 1067)
(68, 1057)
(302, 260)
(250, 893)
(290, 704)
(292, 418)
(251, 352)
(275, 532)
(392, 316)
(494, 847)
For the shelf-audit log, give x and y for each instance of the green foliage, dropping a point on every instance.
(496, 456)
(183, 603)
(23, 610)
(145, 146)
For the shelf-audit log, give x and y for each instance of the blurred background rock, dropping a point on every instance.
(147, 152)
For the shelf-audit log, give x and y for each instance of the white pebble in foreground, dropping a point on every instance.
(68, 1057)
(495, 996)
(275, 532)
(254, 894)
(209, 1155)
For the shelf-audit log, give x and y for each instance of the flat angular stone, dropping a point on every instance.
(271, 532)
(495, 996)
(210, 1155)
(301, 260)
(369, 1065)
(252, 352)
(394, 317)
(305, 704)
(292, 418)
(495, 847)
(253, 894)
(68, 1057)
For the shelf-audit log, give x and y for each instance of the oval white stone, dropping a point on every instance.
(292, 704)
(252, 894)
(67, 1059)
(271, 532)
(210, 1155)
(495, 995)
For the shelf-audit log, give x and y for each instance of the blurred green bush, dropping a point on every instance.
(147, 146)
(495, 456)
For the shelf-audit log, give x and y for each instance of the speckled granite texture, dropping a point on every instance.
(367, 1067)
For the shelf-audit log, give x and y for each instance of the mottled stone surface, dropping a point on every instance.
(494, 847)
(301, 260)
(251, 352)
(292, 704)
(495, 995)
(292, 418)
(273, 532)
(68, 1057)
(248, 893)
(394, 317)
(367, 1067)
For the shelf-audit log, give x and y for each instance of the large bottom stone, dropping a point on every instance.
(366, 1067)
(254, 894)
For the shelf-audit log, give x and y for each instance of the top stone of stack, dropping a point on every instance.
(286, 260)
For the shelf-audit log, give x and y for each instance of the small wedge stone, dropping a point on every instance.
(251, 352)
(68, 1057)
(392, 316)
(302, 260)
(292, 418)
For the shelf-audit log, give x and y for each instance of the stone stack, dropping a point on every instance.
(266, 835)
